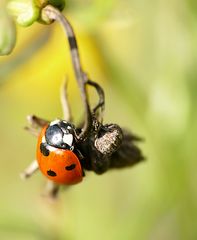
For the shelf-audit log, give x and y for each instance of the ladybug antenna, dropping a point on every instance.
(54, 14)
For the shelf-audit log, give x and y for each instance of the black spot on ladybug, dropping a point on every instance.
(44, 150)
(51, 173)
(70, 167)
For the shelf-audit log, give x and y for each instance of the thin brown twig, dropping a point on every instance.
(32, 168)
(64, 101)
(35, 132)
(36, 122)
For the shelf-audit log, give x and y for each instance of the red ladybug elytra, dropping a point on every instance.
(55, 155)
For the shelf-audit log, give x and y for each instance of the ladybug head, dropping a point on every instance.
(59, 134)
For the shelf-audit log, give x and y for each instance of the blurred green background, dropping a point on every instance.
(144, 54)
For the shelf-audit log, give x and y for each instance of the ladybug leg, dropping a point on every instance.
(64, 101)
(33, 167)
(51, 190)
(33, 131)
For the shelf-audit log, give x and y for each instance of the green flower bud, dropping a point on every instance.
(7, 33)
(25, 11)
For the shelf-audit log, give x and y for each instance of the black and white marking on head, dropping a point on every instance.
(54, 135)
(60, 134)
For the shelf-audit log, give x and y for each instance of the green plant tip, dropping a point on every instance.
(7, 34)
(26, 12)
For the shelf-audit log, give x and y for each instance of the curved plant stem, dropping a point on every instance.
(54, 14)
(101, 104)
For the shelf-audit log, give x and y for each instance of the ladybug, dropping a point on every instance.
(56, 154)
